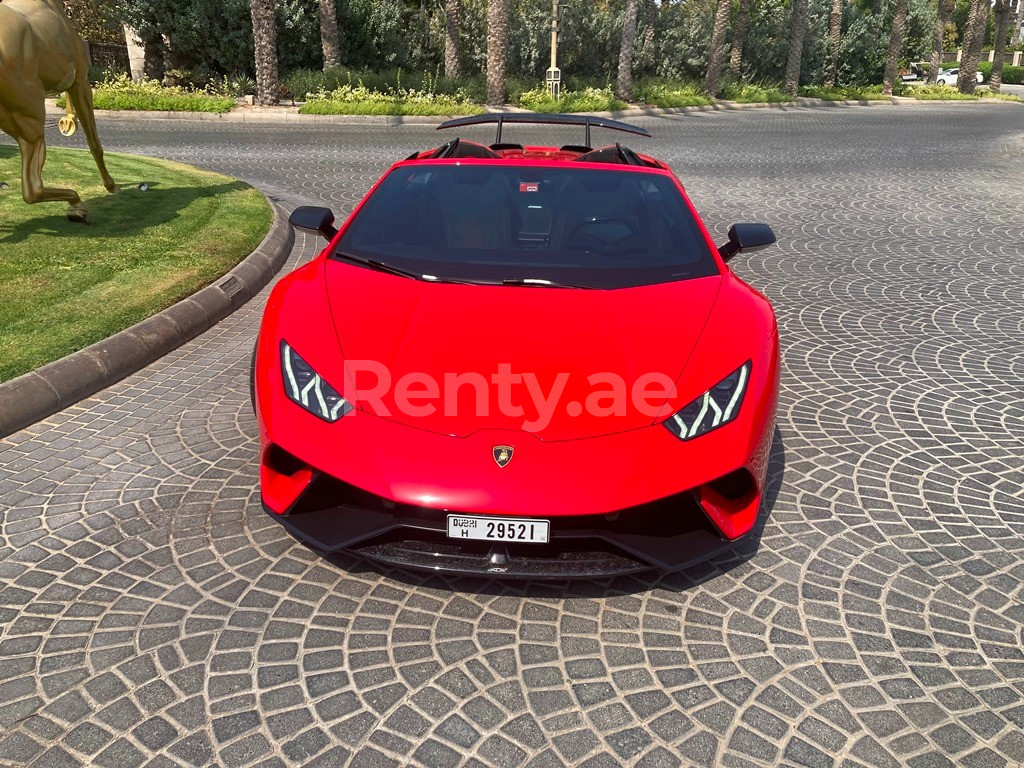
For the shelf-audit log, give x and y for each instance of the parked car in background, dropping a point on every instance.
(950, 76)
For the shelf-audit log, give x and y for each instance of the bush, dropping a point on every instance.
(669, 93)
(753, 93)
(1011, 75)
(938, 93)
(360, 100)
(234, 87)
(844, 93)
(1000, 96)
(303, 82)
(120, 92)
(587, 100)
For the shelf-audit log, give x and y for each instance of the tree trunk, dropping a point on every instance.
(1004, 15)
(835, 39)
(739, 37)
(797, 32)
(717, 53)
(497, 51)
(974, 38)
(1018, 24)
(264, 33)
(451, 38)
(896, 38)
(329, 34)
(943, 12)
(624, 88)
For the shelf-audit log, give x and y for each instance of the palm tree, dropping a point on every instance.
(650, 28)
(974, 38)
(624, 87)
(899, 33)
(797, 32)
(943, 12)
(451, 38)
(329, 34)
(717, 53)
(497, 50)
(1018, 24)
(739, 37)
(1004, 15)
(835, 40)
(264, 33)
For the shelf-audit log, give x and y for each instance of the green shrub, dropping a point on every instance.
(303, 82)
(360, 100)
(753, 93)
(1000, 96)
(120, 92)
(1012, 75)
(938, 93)
(234, 87)
(670, 93)
(587, 100)
(844, 93)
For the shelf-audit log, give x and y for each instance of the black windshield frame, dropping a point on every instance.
(492, 222)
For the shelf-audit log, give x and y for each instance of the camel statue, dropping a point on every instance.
(42, 55)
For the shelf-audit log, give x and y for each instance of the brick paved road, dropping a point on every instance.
(150, 614)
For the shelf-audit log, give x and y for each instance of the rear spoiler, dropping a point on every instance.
(532, 118)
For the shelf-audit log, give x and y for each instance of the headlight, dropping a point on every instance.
(306, 388)
(716, 407)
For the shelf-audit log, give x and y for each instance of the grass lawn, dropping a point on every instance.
(64, 286)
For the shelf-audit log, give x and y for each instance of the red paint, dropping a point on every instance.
(694, 331)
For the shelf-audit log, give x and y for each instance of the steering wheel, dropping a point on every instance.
(608, 241)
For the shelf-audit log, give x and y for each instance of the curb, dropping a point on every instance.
(291, 114)
(55, 386)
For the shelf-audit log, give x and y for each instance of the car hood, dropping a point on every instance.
(397, 335)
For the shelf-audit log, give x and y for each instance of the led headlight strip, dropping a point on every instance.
(715, 408)
(306, 388)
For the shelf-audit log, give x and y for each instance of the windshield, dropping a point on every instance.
(489, 223)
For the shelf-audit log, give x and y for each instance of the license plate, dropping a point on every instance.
(498, 529)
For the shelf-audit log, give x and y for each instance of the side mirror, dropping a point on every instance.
(746, 237)
(315, 220)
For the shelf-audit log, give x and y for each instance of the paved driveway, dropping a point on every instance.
(150, 613)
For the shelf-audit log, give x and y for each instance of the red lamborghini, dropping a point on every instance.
(519, 361)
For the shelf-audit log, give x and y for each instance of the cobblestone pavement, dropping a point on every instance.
(151, 614)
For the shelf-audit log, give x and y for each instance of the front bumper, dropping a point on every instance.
(668, 534)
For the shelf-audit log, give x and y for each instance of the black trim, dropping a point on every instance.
(669, 534)
(532, 118)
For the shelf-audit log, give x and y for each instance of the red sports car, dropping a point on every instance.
(519, 361)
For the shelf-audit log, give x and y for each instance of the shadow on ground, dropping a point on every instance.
(127, 213)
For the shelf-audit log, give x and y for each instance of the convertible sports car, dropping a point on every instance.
(522, 362)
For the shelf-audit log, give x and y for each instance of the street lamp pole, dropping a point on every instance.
(554, 74)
